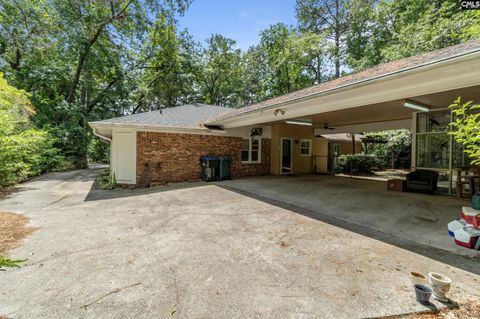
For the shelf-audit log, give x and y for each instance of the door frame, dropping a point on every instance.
(281, 155)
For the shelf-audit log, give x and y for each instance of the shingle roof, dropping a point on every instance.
(185, 116)
(362, 76)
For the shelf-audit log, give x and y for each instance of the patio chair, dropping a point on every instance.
(422, 181)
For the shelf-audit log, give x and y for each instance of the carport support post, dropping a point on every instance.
(353, 143)
(353, 153)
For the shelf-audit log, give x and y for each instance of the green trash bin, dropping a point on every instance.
(225, 168)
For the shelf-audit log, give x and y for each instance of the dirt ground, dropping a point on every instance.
(469, 310)
(13, 230)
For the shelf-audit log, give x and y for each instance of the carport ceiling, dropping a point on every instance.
(390, 110)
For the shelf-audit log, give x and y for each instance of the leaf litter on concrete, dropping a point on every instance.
(13, 229)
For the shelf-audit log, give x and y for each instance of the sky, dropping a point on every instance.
(241, 20)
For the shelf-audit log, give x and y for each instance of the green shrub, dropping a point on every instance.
(99, 151)
(466, 128)
(360, 163)
(25, 151)
(105, 180)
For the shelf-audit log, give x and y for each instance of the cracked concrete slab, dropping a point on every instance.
(196, 250)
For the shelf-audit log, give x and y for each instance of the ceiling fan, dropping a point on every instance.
(326, 127)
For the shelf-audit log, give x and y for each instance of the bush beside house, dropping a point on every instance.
(25, 150)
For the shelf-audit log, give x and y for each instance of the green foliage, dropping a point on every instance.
(466, 128)
(397, 147)
(220, 76)
(9, 263)
(80, 60)
(360, 163)
(24, 150)
(105, 180)
(330, 18)
(90, 60)
(392, 30)
(99, 151)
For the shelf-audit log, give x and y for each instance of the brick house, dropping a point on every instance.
(286, 134)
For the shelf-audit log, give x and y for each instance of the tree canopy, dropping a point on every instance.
(82, 60)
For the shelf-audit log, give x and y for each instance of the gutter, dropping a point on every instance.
(143, 127)
(100, 136)
(353, 84)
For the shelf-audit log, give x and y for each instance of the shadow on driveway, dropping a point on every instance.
(470, 264)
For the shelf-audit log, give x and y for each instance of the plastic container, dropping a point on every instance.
(468, 214)
(476, 201)
(456, 225)
(225, 168)
(210, 168)
(440, 286)
(423, 293)
(466, 237)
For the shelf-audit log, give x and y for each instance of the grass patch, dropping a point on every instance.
(10, 263)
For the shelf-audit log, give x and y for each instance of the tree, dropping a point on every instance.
(24, 150)
(326, 16)
(466, 128)
(79, 59)
(219, 72)
(166, 79)
(391, 30)
(293, 60)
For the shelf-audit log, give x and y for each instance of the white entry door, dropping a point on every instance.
(125, 157)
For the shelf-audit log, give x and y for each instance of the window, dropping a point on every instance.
(305, 147)
(251, 150)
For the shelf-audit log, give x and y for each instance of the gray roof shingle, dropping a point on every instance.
(185, 116)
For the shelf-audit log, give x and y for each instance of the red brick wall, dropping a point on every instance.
(176, 157)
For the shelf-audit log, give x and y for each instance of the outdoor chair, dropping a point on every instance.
(422, 181)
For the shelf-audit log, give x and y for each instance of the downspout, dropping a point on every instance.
(101, 136)
(108, 140)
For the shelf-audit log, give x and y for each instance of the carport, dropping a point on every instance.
(412, 221)
(412, 93)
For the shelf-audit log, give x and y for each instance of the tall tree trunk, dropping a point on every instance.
(337, 57)
(337, 40)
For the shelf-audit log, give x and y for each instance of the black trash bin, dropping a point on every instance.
(210, 168)
(225, 168)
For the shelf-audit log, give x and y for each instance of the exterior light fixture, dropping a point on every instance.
(296, 122)
(415, 106)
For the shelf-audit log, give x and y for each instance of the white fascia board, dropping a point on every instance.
(449, 74)
(153, 128)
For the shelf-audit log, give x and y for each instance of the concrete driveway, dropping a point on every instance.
(197, 250)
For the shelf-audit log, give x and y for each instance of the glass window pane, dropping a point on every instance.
(244, 156)
(304, 151)
(460, 158)
(255, 144)
(245, 144)
(439, 121)
(433, 122)
(422, 119)
(305, 144)
(433, 150)
(254, 156)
